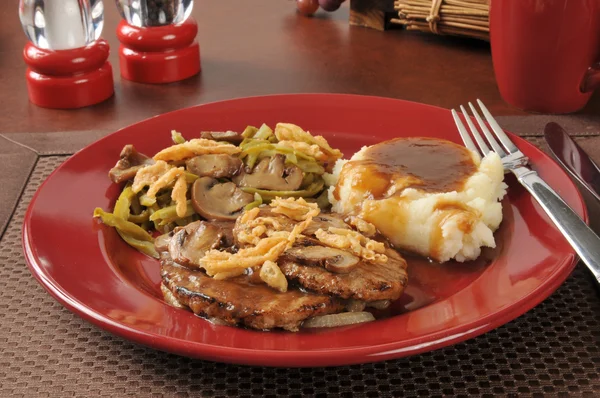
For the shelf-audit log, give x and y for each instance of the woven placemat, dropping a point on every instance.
(49, 352)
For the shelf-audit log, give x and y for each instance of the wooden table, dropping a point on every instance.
(257, 47)
(263, 47)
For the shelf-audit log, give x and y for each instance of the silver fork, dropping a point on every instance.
(581, 237)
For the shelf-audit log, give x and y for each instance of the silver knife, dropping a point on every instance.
(573, 158)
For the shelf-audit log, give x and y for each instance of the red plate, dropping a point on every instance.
(87, 267)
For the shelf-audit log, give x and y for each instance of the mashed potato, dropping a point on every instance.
(442, 224)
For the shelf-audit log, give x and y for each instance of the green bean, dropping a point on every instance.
(139, 218)
(153, 209)
(257, 202)
(126, 227)
(291, 158)
(136, 207)
(146, 225)
(143, 246)
(251, 160)
(123, 203)
(276, 148)
(177, 137)
(190, 177)
(323, 200)
(182, 221)
(283, 149)
(164, 199)
(267, 195)
(124, 222)
(169, 214)
(256, 146)
(147, 201)
(249, 132)
(310, 167)
(308, 179)
(263, 133)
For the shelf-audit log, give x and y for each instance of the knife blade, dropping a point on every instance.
(573, 158)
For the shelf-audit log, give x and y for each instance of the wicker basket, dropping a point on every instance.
(445, 17)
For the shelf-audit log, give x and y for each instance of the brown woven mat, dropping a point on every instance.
(47, 351)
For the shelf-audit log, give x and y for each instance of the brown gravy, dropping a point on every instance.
(429, 164)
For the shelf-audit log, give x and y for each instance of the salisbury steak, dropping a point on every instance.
(325, 280)
(239, 301)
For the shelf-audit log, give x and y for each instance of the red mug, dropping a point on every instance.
(546, 53)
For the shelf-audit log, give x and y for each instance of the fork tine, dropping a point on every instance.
(510, 147)
(485, 149)
(464, 134)
(491, 139)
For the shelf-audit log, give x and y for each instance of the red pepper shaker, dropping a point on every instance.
(158, 40)
(66, 59)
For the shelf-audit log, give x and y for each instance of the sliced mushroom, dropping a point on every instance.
(324, 221)
(334, 260)
(189, 244)
(271, 173)
(161, 243)
(227, 230)
(214, 165)
(229, 136)
(129, 163)
(218, 201)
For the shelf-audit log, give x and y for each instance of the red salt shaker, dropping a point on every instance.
(158, 41)
(66, 59)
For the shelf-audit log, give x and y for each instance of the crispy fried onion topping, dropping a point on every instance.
(162, 175)
(364, 227)
(302, 141)
(306, 149)
(271, 274)
(197, 146)
(267, 240)
(353, 241)
(268, 249)
(178, 194)
(296, 209)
